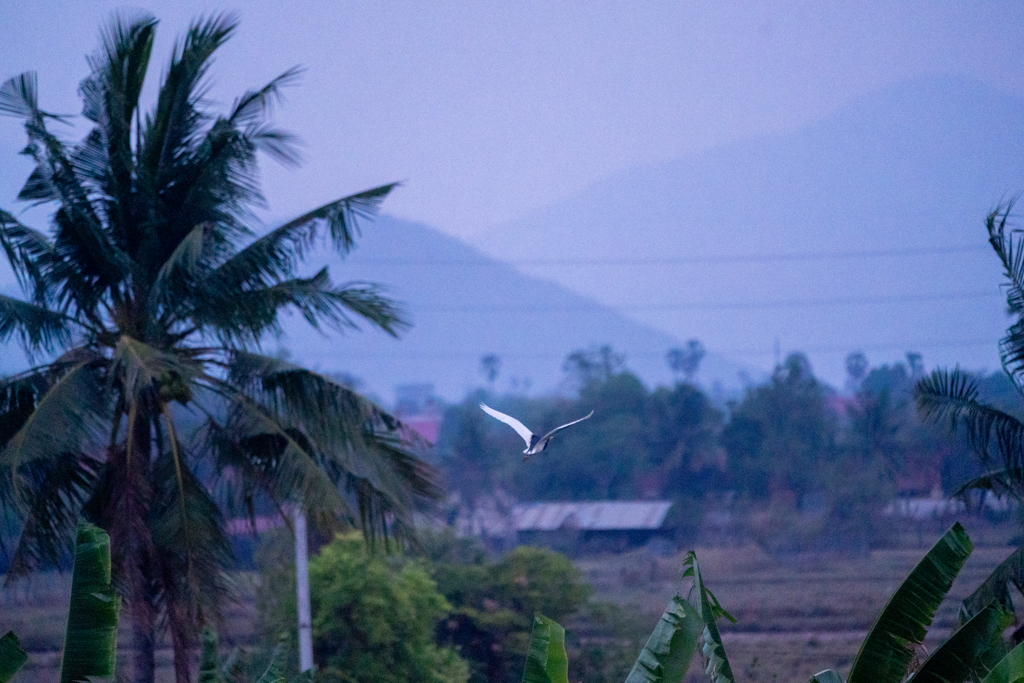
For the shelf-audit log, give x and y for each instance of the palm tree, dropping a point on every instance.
(143, 308)
(996, 435)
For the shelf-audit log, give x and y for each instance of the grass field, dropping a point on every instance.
(797, 614)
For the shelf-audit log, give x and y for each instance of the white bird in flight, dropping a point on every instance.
(534, 444)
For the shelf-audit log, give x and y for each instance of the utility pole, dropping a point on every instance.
(302, 581)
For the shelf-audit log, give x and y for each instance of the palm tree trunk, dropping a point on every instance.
(125, 516)
(143, 643)
(183, 640)
(142, 555)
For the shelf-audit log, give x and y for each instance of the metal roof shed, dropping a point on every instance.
(596, 516)
(616, 524)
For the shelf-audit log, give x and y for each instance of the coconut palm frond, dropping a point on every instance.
(28, 251)
(276, 143)
(246, 316)
(1008, 247)
(251, 109)
(1011, 353)
(214, 184)
(110, 98)
(192, 547)
(294, 392)
(368, 302)
(215, 181)
(352, 436)
(390, 479)
(998, 482)
(330, 413)
(91, 163)
(52, 493)
(402, 455)
(254, 105)
(110, 95)
(342, 217)
(274, 256)
(80, 235)
(37, 493)
(364, 452)
(173, 130)
(953, 397)
(1009, 252)
(143, 369)
(38, 328)
(275, 456)
(19, 395)
(19, 96)
(39, 186)
(65, 417)
(195, 169)
(171, 289)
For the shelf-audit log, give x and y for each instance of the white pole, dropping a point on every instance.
(302, 581)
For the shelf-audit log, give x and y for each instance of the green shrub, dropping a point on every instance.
(494, 603)
(374, 617)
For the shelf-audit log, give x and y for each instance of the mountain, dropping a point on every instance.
(464, 305)
(727, 245)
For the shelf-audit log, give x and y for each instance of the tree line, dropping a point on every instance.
(792, 443)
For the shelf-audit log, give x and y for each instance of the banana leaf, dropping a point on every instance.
(208, 668)
(274, 671)
(1010, 572)
(885, 654)
(709, 610)
(667, 654)
(1010, 668)
(233, 668)
(826, 676)
(211, 670)
(91, 636)
(963, 653)
(546, 661)
(12, 656)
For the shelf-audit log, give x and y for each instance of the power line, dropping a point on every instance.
(683, 260)
(765, 351)
(723, 305)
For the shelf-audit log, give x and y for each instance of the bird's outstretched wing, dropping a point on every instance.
(570, 424)
(513, 423)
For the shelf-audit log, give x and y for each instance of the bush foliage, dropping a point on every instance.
(374, 617)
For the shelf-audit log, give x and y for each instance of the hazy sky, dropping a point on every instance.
(489, 109)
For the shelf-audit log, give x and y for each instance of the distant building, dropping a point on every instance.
(608, 525)
(937, 507)
(419, 409)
